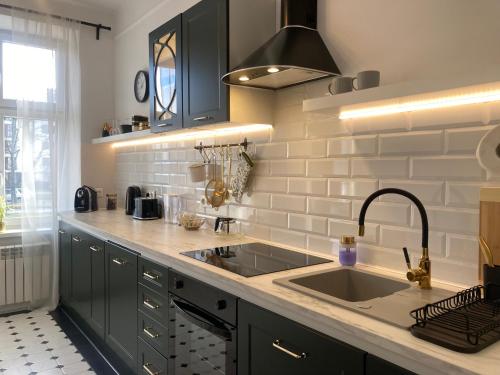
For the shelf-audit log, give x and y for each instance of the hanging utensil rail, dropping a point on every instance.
(243, 144)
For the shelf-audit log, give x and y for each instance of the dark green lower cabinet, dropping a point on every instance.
(377, 366)
(121, 313)
(65, 264)
(271, 344)
(81, 276)
(98, 287)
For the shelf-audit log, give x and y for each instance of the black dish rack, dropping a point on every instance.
(467, 322)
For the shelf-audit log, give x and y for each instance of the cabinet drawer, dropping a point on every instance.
(153, 304)
(210, 299)
(150, 361)
(153, 276)
(375, 366)
(271, 344)
(153, 333)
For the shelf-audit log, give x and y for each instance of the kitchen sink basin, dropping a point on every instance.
(350, 285)
(381, 297)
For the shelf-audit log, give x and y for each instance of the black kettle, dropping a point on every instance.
(132, 193)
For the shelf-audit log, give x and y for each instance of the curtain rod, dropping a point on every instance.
(98, 27)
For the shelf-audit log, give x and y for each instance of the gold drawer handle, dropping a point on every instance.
(150, 275)
(149, 332)
(147, 367)
(61, 231)
(119, 261)
(95, 249)
(76, 239)
(277, 345)
(148, 304)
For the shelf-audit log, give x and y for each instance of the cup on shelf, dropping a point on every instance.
(340, 85)
(366, 80)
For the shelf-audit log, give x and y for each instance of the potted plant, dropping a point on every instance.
(3, 210)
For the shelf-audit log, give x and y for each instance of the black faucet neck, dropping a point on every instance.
(410, 196)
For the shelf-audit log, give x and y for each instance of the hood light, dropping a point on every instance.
(273, 69)
(198, 134)
(420, 105)
(244, 78)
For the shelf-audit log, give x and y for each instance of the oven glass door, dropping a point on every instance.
(200, 343)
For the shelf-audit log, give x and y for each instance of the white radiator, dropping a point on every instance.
(23, 279)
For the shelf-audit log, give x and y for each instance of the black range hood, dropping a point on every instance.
(296, 54)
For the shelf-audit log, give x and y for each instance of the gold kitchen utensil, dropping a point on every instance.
(215, 189)
(485, 249)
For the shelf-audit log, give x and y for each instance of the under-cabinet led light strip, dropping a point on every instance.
(197, 134)
(424, 104)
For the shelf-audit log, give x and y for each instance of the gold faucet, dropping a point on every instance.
(421, 274)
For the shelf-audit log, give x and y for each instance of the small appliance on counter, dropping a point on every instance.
(132, 193)
(146, 208)
(85, 199)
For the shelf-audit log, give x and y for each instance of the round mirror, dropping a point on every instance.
(165, 75)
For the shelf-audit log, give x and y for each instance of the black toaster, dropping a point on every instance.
(85, 199)
(146, 209)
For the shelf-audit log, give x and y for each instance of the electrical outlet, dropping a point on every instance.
(100, 192)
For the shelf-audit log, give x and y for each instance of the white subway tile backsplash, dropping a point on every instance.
(382, 212)
(350, 188)
(327, 167)
(379, 167)
(313, 171)
(288, 203)
(446, 167)
(288, 237)
(398, 237)
(272, 218)
(462, 194)
(331, 207)
(348, 146)
(307, 149)
(288, 167)
(464, 141)
(270, 184)
(462, 247)
(411, 143)
(452, 220)
(429, 192)
(308, 223)
(338, 228)
(308, 186)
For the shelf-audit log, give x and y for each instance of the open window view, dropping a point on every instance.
(235, 187)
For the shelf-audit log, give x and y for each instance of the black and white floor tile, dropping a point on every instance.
(34, 343)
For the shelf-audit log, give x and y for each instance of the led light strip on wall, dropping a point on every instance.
(195, 134)
(422, 104)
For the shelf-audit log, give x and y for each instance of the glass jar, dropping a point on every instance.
(347, 251)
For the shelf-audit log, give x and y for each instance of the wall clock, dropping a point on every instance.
(141, 86)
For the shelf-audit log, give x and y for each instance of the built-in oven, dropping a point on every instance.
(202, 328)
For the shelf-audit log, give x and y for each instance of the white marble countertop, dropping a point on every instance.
(163, 243)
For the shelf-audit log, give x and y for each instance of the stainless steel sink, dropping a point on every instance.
(381, 297)
(350, 285)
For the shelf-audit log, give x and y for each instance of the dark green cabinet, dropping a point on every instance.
(81, 276)
(121, 312)
(377, 366)
(98, 286)
(271, 344)
(64, 264)
(204, 61)
(165, 76)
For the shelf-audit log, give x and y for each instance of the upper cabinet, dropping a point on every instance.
(190, 53)
(165, 76)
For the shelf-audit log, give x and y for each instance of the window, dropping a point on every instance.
(24, 66)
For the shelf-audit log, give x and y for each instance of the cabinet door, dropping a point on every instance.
(64, 264)
(376, 366)
(81, 282)
(271, 344)
(98, 290)
(165, 76)
(121, 316)
(204, 61)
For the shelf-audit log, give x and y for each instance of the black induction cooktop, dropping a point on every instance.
(253, 259)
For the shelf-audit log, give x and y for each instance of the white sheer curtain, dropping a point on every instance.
(49, 114)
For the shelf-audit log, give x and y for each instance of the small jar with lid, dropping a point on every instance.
(347, 251)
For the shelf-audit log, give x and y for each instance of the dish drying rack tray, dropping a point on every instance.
(466, 322)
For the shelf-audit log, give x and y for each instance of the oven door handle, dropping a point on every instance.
(202, 319)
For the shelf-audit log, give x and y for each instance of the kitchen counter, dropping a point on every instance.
(163, 243)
